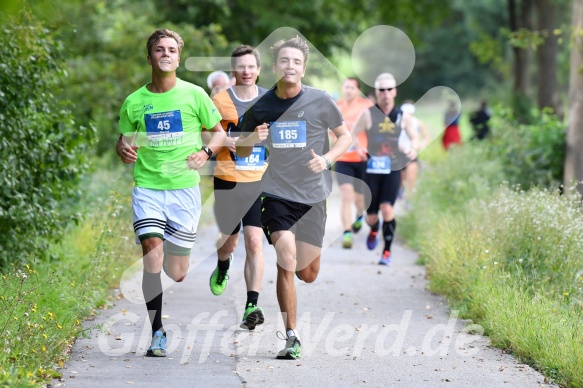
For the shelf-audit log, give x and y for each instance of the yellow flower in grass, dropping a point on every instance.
(59, 326)
(566, 293)
(44, 335)
(44, 349)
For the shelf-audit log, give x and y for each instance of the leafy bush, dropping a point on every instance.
(44, 151)
(106, 56)
(532, 154)
(43, 303)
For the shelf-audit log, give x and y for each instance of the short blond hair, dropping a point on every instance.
(384, 77)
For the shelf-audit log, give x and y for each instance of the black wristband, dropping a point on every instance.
(208, 151)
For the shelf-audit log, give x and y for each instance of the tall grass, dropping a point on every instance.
(510, 260)
(43, 303)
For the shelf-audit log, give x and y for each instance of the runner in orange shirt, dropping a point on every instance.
(350, 168)
(237, 184)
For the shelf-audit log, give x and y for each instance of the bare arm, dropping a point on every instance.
(407, 122)
(198, 159)
(319, 163)
(364, 123)
(125, 150)
(245, 144)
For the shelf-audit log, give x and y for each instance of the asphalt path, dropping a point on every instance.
(359, 324)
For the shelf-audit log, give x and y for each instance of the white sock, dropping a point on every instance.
(291, 333)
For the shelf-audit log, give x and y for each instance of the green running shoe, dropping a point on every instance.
(347, 240)
(357, 224)
(158, 346)
(219, 279)
(291, 350)
(252, 317)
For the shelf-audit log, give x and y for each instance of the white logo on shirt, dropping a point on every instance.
(301, 114)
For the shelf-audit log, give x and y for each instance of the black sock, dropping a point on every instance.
(374, 227)
(389, 232)
(152, 289)
(348, 231)
(252, 297)
(224, 264)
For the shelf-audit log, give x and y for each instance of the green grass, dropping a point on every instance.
(508, 259)
(45, 302)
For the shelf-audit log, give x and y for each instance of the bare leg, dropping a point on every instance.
(254, 262)
(347, 198)
(285, 248)
(411, 172)
(308, 261)
(227, 245)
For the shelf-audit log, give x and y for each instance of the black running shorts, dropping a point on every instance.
(384, 188)
(352, 173)
(237, 202)
(306, 221)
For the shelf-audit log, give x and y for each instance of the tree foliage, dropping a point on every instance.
(106, 50)
(44, 149)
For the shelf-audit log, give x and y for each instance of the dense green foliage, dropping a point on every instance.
(481, 242)
(532, 154)
(106, 50)
(43, 304)
(44, 149)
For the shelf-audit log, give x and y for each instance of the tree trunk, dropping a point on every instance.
(546, 57)
(574, 158)
(520, 18)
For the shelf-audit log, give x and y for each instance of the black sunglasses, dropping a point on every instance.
(385, 90)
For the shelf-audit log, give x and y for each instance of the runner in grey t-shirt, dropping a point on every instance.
(297, 125)
(293, 120)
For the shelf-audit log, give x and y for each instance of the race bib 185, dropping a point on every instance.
(288, 134)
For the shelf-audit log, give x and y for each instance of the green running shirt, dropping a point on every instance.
(167, 127)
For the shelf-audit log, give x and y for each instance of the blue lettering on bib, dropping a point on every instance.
(164, 128)
(378, 165)
(255, 161)
(288, 134)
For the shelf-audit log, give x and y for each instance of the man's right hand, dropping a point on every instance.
(126, 152)
(262, 131)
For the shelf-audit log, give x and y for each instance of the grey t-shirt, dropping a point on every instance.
(297, 125)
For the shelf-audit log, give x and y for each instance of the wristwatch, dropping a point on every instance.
(328, 164)
(208, 151)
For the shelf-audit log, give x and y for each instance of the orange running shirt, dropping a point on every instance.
(232, 109)
(351, 113)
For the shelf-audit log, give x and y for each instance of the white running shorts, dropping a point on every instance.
(173, 214)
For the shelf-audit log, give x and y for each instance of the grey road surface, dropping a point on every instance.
(359, 323)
